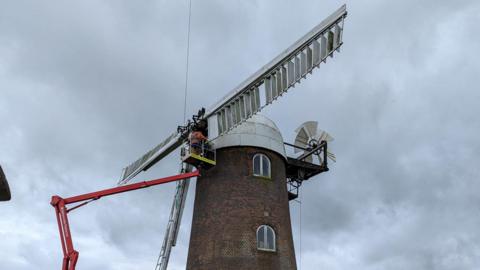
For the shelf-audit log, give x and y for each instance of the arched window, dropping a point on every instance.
(266, 238)
(261, 166)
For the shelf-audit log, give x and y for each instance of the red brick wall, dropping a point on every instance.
(230, 204)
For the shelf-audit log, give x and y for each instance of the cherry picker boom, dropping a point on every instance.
(70, 255)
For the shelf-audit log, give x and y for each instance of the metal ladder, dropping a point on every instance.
(174, 220)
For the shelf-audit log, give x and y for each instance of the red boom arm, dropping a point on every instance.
(70, 255)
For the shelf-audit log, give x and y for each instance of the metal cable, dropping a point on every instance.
(188, 56)
(299, 201)
(163, 258)
(300, 233)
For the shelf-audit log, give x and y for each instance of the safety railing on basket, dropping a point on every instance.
(202, 149)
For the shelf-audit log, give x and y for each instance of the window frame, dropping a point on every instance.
(262, 157)
(265, 238)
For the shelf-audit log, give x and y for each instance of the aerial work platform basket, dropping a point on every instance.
(201, 155)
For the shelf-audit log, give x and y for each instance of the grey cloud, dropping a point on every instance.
(87, 87)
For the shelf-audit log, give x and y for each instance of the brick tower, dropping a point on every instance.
(241, 215)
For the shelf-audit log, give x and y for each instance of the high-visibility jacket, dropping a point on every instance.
(196, 137)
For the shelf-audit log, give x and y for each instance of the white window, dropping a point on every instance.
(261, 166)
(266, 238)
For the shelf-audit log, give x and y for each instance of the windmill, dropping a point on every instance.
(241, 213)
(255, 93)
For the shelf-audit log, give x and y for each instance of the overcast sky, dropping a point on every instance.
(86, 87)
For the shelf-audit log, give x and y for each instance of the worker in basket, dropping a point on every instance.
(197, 140)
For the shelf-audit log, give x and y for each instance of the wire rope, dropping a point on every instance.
(187, 62)
(300, 233)
(160, 262)
(299, 201)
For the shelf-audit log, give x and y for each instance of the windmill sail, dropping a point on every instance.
(278, 76)
(260, 89)
(171, 143)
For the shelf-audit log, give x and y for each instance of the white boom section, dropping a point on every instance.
(174, 221)
(151, 157)
(260, 89)
(276, 77)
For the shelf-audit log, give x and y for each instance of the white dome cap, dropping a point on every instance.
(257, 131)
